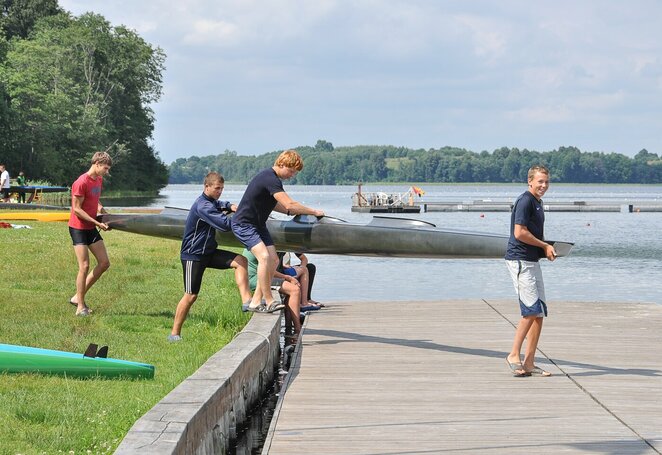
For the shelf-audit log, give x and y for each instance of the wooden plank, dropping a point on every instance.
(431, 377)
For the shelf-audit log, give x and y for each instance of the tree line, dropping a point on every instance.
(325, 164)
(70, 86)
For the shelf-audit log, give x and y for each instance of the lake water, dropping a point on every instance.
(617, 256)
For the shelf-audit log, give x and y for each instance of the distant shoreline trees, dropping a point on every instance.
(326, 165)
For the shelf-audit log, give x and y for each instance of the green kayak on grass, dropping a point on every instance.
(25, 359)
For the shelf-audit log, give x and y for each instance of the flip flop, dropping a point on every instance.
(514, 366)
(89, 310)
(274, 306)
(523, 374)
(310, 308)
(264, 308)
(83, 312)
(259, 308)
(537, 371)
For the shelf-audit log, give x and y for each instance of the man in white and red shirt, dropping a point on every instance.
(4, 183)
(84, 228)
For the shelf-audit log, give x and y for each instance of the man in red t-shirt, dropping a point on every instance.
(83, 226)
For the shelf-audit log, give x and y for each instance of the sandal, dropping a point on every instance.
(264, 308)
(514, 366)
(519, 373)
(259, 308)
(537, 371)
(312, 307)
(89, 310)
(273, 307)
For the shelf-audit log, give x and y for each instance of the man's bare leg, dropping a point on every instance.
(98, 249)
(520, 334)
(532, 337)
(181, 312)
(267, 260)
(83, 258)
(240, 266)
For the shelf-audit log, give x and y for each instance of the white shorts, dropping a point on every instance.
(527, 279)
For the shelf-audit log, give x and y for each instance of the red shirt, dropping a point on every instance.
(90, 190)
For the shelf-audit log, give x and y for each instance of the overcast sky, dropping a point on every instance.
(258, 76)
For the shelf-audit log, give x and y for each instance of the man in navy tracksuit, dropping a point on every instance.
(199, 248)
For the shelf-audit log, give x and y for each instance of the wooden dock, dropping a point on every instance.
(431, 378)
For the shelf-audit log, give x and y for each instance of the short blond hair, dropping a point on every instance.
(102, 158)
(537, 168)
(289, 159)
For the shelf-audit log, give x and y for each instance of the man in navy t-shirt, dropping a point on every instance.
(264, 194)
(525, 247)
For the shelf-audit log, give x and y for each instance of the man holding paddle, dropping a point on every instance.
(525, 247)
(264, 194)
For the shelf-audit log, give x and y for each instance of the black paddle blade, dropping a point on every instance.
(103, 352)
(91, 351)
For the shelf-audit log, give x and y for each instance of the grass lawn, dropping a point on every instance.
(133, 305)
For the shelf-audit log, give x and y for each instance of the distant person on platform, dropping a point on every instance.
(4, 183)
(21, 180)
(264, 194)
(525, 247)
(84, 228)
(199, 248)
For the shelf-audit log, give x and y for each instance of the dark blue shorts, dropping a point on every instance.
(84, 236)
(250, 235)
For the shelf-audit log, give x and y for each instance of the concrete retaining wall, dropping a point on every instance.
(201, 414)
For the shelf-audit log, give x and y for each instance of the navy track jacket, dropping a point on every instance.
(205, 217)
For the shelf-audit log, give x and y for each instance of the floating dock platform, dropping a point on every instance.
(387, 209)
(573, 206)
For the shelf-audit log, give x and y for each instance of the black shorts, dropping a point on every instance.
(193, 270)
(84, 236)
(5, 193)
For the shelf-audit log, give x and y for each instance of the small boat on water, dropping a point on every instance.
(381, 202)
(383, 236)
(93, 363)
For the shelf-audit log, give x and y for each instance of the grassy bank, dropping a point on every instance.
(133, 307)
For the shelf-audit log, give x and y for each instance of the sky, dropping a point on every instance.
(258, 76)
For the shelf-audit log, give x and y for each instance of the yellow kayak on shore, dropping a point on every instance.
(34, 215)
